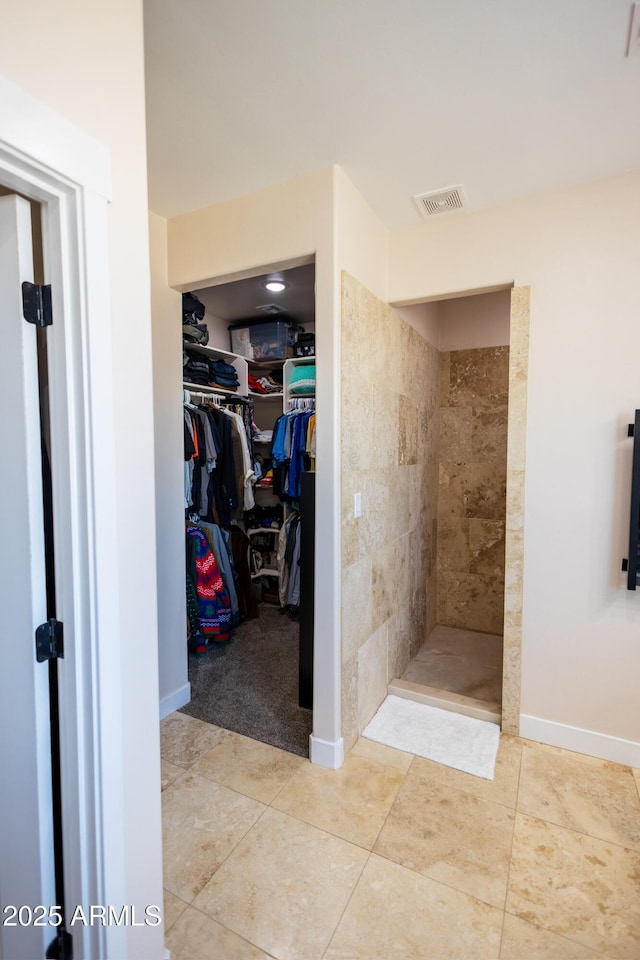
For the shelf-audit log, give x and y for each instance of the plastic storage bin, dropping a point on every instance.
(270, 340)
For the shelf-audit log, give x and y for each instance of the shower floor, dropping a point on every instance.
(460, 669)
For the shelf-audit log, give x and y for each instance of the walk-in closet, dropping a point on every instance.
(249, 387)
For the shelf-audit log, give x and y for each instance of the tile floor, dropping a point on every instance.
(394, 856)
(460, 661)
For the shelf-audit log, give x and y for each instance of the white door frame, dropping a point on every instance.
(27, 845)
(46, 158)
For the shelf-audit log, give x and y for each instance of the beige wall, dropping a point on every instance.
(425, 318)
(166, 314)
(461, 323)
(85, 60)
(470, 322)
(578, 250)
(248, 235)
(361, 239)
(389, 456)
(474, 387)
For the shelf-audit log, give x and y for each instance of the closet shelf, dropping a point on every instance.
(265, 572)
(203, 388)
(292, 364)
(265, 362)
(215, 352)
(266, 396)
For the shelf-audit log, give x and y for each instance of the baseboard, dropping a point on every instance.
(593, 744)
(326, 753)
(175, 700)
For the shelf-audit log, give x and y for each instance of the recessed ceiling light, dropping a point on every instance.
(275, 286)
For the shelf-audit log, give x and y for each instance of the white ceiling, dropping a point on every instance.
(507, 97)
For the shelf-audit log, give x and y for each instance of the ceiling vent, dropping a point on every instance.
(436, 202)
(271, 308)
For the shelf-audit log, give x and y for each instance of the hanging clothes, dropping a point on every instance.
(246, 476)
(292, 560)
(289, 561)
(219, 460)
(214, 605)
(311, 441)
(290, 454)
(222, 553)
(247, 599)
(189, 453)
(197, 641)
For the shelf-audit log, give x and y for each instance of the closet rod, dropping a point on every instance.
(189, 395)
(302, 403)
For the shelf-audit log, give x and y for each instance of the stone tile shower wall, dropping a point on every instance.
(474, 391)
(389, 454)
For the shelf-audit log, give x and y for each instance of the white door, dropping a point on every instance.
(26, 830)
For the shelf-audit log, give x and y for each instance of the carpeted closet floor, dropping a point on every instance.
(250, 685)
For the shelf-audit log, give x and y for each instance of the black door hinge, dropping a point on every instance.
(49, 641)
(36, 303)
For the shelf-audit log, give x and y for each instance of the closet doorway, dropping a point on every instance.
(250, 357)
(483, 352)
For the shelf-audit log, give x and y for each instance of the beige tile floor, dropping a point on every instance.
(394, 856)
